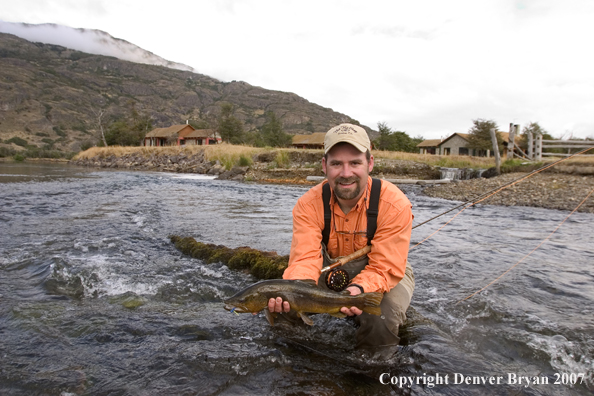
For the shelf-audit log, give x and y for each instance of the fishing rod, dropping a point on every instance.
(338, 279)
(484, 195)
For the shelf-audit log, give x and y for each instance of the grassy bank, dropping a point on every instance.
(230, 155)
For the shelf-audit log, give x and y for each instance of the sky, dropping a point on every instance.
(426, 67)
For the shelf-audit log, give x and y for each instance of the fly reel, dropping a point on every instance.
(337, 279)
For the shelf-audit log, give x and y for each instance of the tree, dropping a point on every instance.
(230, 127)
(535, 128)
(100, 123)
(130, 129)
(272, 132)
(395, 140)
(480, 135)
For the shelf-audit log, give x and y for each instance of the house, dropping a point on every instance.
(202, 137)
(170, 136)
(457, 144)
(313, 141)
(429, 146)
(180, 135)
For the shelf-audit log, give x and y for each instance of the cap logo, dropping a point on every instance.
(344, 130)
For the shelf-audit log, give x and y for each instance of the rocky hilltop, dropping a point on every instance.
(51, 95)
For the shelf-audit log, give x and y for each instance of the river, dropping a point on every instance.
(95, 299)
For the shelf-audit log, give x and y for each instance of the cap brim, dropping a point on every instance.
(357, 145)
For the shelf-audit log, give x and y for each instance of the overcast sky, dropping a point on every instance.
(424, 67)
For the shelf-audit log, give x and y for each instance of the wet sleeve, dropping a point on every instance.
(389, 249)
(305, 258)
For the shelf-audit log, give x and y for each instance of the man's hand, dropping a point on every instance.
(278, 305)
(352, 310)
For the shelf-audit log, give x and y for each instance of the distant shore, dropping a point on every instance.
(561, 188)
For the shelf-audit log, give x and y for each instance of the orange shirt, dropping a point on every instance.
(389, 247)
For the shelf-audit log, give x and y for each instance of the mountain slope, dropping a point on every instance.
(51, 95)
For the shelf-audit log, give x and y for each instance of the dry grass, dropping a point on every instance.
(229, 155)
(447, 161)
(222, 152)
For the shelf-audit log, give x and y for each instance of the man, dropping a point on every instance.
(347, 163)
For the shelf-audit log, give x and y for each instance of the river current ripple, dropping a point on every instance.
(94, 298)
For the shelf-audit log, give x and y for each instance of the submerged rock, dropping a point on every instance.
(128, 300)
(263, 265)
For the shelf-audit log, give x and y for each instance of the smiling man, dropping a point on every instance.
(318, 240)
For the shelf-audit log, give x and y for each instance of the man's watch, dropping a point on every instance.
(359, 286)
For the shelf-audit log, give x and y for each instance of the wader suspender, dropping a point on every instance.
(376, 185)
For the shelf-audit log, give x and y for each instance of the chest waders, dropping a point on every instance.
(377, 335)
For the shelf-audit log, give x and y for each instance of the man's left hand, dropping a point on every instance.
(352, 310)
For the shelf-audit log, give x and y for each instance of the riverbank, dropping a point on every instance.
(242, 163)
(561, 187)
(545, 190)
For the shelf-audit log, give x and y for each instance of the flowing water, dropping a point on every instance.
(95, 300)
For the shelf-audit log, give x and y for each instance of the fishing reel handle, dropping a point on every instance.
(338, 279)
(343, 260)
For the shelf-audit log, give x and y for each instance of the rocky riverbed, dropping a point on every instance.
(545, 190)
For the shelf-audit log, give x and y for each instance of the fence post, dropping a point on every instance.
(538, 147)
(496, 151)
(530, 145)
(511, 142)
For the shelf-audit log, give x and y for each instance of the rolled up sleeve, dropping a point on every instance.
(305, 259)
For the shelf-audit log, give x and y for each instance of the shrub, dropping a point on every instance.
(6, 152)
(59, 131)
(18, 157)
(18, 141)
(282, 159)
(244, 160)
(228, 162)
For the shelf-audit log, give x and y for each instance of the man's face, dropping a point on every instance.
(347, 170)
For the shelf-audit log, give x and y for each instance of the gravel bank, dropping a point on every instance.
(545, 190)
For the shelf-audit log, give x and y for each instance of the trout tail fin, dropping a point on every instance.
(371, 303)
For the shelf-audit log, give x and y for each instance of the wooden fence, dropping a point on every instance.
(569, 145)
(536, 145)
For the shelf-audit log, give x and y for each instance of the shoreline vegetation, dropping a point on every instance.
(563, 186)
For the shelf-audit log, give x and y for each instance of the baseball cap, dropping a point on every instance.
(347, 133)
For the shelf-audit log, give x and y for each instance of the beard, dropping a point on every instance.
(347, 194)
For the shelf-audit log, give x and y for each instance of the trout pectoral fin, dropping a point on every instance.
(338, 315)
(269, 316)
(305, 318)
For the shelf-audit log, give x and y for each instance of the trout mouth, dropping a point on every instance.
(233, 308)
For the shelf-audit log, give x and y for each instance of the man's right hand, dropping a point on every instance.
(278, 305)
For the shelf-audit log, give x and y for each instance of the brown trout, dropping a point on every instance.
(303, 296)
